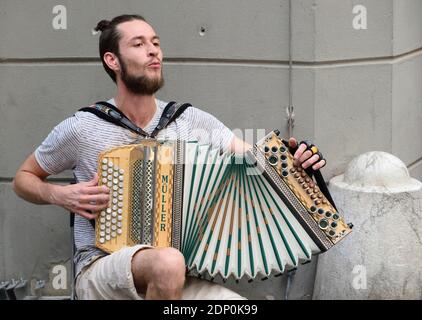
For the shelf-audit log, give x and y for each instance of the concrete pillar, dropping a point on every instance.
(382, 258)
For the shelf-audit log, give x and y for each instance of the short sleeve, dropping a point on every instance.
(59, 151)
(208, 129)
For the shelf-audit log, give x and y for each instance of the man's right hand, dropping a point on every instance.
(84, 198)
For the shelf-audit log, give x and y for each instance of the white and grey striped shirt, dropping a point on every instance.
(76, 143)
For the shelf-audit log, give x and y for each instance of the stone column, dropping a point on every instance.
(382, 257)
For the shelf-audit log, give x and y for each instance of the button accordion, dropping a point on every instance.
(243, 216)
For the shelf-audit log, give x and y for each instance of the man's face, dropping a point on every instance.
(140, 58)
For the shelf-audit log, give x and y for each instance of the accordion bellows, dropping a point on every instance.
(242, 216)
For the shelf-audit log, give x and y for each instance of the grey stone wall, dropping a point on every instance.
(352, 90)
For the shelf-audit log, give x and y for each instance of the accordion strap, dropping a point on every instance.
(110, 113)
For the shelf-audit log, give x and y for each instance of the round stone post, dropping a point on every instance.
(382, 257)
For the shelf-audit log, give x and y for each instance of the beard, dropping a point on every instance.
(142, 85)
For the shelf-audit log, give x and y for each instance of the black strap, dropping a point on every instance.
(110, 113)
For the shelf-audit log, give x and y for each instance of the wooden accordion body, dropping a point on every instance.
(246, 216)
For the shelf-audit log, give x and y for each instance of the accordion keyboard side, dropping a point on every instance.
(310, 206)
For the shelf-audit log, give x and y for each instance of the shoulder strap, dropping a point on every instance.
(110, 113)
(170, 113)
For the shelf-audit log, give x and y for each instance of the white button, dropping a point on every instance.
(121, 178)
(121, 171)
(120, 211)
(121, 184)
(116, 168)
(108, 217)
(115, 187)
(110, 164)
(104, 173)
(114, 201)
(107, 231)
(113, 234)
(102, 227)
(104, 167)
(114, 208)
(109, 184)
(107, 237)
(113, 227)
(119, 218)
(115, 181)
(113, 220)
(119, 231)
(102, 233)
(110, 171)
(114, 214)
(115, 174)
(102, 220)
(102, 240)
(119, 224)
(103, 213)
(120, 198)
(120, 204)
(108, 224)
(121, 191)
(104, 180)
(108, 210)
(105, 161)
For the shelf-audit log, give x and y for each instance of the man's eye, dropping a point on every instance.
(157, 44)
(138, 44)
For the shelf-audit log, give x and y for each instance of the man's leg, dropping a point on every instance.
(159, 273)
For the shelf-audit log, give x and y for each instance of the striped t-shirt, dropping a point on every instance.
(77, 141)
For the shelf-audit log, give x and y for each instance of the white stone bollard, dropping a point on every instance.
(382, 257)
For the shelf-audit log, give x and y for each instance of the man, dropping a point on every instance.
(131, 54)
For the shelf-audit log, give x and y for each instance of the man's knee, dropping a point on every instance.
(169, 263)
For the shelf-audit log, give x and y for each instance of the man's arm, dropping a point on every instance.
(29, 183)
(302, 156)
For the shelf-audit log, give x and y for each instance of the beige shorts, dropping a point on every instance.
(110, 278)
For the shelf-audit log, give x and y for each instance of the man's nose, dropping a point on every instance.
(153, 50)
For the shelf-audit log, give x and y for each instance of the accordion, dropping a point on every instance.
(249, 215)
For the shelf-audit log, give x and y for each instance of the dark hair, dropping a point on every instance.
(110, 36)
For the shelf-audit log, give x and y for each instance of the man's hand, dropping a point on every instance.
(305, 157)
(85, 198)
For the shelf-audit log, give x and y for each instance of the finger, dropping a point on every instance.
(98, 198)
(312, 160)
(85, 214)
(96, 190)
(93, 181)
(299, 152)
(292, 142)
(305, 156)
(91, 207)
(319, 165)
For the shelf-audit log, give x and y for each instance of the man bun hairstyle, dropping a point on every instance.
(110, 36)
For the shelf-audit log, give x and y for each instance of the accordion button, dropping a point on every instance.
(104, 167)
(115, 174)
(102, 227)
(104, 180)
(114, 201)
(108, 210)
(108, 218)
(119, 218)
(324, 201)
(115, 194)
(120, 204)
(119, 224)
(103, 213)
(107, 237)
(121, 184)
(317, 202)
(113, 234)
(110, 170)
(313, 208)
(114, 221)
(104, 174)
(114, 214)
(323, 224)
(297, 175)
(110, 164)
(102, 220)
(121, 178)
(113, 227)
(321, 211)
(121, 171)
(331, 233)
(292, 170)
(119, 211)
(102, 240)
(333, 224)
(105, 161)
(120, 198)
(115, 181)
(102, 233)
(115, 188)
(301, 180)
(107, 231)
(335, 217)
(313, 196)
(119, 231)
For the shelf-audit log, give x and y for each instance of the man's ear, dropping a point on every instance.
(112, 61)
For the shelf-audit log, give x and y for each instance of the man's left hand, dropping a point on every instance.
(305, 156)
